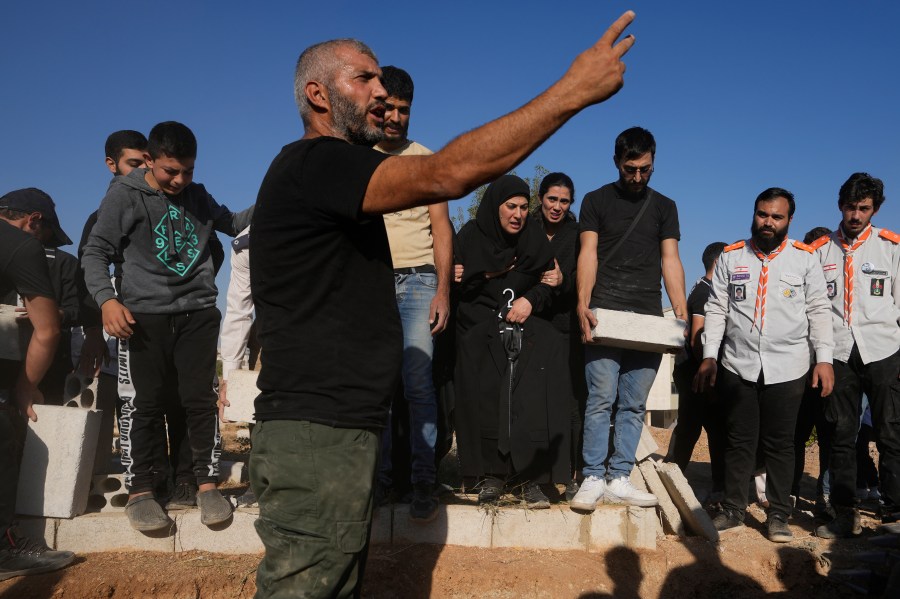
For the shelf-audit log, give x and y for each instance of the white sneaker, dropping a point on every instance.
(589, 494)
(621, 490)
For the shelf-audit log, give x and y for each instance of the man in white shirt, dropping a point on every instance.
(861, 264)
(769, 307)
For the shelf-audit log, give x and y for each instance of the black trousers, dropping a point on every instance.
(765, 416)
(811, 414)
(168, 353)
(12, 441)
(878, 380)
(697, 411)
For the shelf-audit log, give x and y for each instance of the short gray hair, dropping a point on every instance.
(319, 63)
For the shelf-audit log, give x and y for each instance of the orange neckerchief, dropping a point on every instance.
(759, 310)
(848, 267)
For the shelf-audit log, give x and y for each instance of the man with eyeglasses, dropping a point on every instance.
(619, 268)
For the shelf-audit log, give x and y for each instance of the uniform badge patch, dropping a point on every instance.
(867, 267)
(831, 288)
(788, 293)
(740, 276)
(738, 292)
(876, 288)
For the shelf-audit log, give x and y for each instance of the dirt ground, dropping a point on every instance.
(743, 565)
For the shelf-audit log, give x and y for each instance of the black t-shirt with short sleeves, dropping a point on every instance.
(696, 301)
(323, 288)
(630, 281)
(23, 270)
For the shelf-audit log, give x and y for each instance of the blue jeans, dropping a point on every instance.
(611, 371)
(414, 294)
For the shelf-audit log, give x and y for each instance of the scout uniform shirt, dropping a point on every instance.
(768, 313)
(869, 314)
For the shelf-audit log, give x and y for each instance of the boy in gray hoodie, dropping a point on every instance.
(166, 317)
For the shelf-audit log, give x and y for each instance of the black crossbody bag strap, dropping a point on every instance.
(631, 227)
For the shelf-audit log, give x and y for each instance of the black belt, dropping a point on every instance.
(411, 270)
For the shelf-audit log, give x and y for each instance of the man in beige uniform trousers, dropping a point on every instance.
(862, 267)
(768, 305)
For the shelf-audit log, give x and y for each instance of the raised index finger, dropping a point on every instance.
(615, 31)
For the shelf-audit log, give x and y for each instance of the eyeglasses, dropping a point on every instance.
(633, 170)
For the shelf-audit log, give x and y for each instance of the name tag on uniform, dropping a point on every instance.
(738, 293)
(876, 287)
(741, 276)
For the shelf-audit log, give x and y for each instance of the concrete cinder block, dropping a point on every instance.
(646, 445)
(14, 336)
(671, 518)
(109, 531)
(555, 528)
(692, 513)
(660, 396)
(454, 525)
(238, 535)
(382, 525)
(242, 392)
(57, 462)
(80, 391)
(107, 493)
(607, 527)
(629, 330)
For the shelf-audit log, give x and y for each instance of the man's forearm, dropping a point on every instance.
(673, 277)
(587, 278)
(44, 316)
(442, 246)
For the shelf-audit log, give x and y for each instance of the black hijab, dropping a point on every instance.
(491, 249)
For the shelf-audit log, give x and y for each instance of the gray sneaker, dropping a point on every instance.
(778, 529)
(20, 556)
(145, 514)
(214, 509)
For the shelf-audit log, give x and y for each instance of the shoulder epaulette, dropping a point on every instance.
(802, 246)
(734, 246)
(890, 236)
(820, 241)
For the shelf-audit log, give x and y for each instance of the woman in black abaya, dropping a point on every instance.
(509, 429)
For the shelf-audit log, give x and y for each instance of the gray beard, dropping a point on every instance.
(350, 122)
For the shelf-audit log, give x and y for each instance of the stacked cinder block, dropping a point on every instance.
(57, 462)
(242, 392)
(107, 493)
(80, 391)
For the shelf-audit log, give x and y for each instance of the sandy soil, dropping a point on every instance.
(743, 565)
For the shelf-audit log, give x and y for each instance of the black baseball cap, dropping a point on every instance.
(31, 200)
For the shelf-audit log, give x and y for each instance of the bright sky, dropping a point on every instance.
(740, 96)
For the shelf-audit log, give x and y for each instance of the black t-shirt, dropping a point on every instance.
(323, 288)
(23, 270)
(696, 306)
(630, 281)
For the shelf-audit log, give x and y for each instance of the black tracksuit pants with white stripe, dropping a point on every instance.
(169, 352)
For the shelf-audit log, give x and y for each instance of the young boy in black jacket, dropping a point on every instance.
(166, 317)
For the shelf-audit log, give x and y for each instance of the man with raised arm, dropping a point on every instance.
(323, 287)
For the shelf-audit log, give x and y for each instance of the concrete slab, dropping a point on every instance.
(58, 462)
(242, 392)
(555, 528)
(382, 525)
(454, 525)
(643, 527)
(646, 445)
(692, 513)
(235, 536)
(607, 527)
(107, 493)
(671, 518)
(638, 331)
(109, 531)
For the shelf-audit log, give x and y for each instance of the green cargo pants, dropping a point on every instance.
(315, 489)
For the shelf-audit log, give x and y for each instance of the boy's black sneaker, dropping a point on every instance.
(571, 489)
(778, 529)
(727, 520)
(184, 497)
(20, 556)
(424, 505)
(534, 498)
